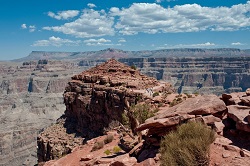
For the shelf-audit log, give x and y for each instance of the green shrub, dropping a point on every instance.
(116, 149)
(142, 112)
(175, 102)
(133, 67)
(196, 93)
(107, 152)
(187, 146)
(156, 94)
(98, 145)
(109, 138)
(125, 119)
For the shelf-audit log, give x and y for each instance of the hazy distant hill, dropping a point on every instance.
(116, 53)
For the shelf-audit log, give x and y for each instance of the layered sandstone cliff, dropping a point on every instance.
(96, 98)
(30, 100)
(204, 75)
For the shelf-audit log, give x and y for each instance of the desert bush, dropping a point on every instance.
(187, 146)
(142, 112)
(98, 145)
(125, 119)
(175, 102)
(116, 149)
(107, 152)
(156, 94)
(133, 67)
(196, 93)
(109, 138)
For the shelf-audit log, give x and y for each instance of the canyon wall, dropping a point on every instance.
(198, 75)
(30, 99)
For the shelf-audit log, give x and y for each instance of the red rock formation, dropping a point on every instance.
(97, 97)
(100, 95)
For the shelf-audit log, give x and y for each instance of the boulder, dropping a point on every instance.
(168, 118)
(248, 91)
(245, 100)
(200, 105)
(218, 127)
(240, 114)
(232, 98)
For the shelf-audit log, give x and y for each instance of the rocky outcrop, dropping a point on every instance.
(241, 115)
(96, 98)
(100, 95)
(207, 109)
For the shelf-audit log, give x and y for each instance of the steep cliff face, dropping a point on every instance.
(30, 100)
(102, 93)
(94, 99)
(203, 75)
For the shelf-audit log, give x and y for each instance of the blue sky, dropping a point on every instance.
(80, 25)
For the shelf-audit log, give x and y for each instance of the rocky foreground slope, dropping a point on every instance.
(97, 97)
(231, 146)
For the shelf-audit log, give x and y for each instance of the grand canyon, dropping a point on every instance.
(42, 93)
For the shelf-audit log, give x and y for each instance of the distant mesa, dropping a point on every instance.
(117, 53)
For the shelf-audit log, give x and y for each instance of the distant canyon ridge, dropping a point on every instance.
(190, 70)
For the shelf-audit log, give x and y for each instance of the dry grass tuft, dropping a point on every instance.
(188, 146)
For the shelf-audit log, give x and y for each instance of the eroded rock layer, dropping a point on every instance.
(97, 97)
(205, 75)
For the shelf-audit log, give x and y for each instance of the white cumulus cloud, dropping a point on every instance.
(91, 5)
(98, 42)
(63, 15)
(24, 26)
(32, 28)
(90, 24)
(237, 44)
(122, 41)
(198, 45)
(152, 18)
(56, 41)
(159, 1)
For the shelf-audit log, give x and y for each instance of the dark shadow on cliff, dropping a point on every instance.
(240, 139)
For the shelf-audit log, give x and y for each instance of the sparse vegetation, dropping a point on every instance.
(180, 95)
(187, 146)
(133, 67)
(175, 102)
(188, 95)
(98, 145)
(196, 93)
(125, 119)
(142, 112)
(156, 94)
(109, 138)
(107, 152)
(116, 149)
